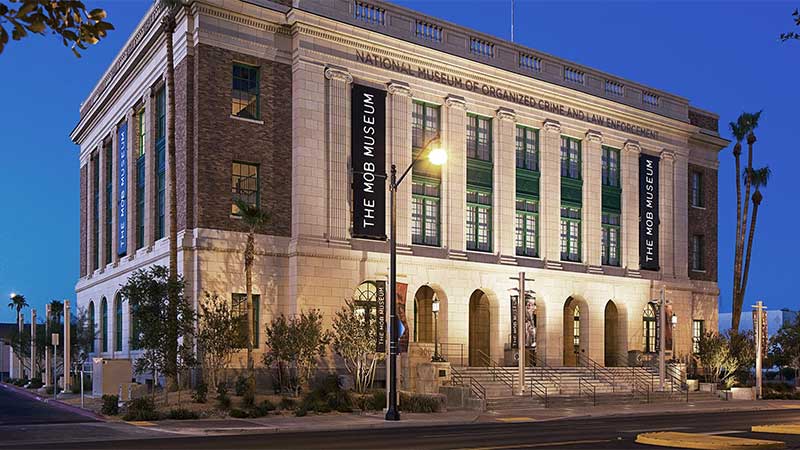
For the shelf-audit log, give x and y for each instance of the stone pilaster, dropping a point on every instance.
(90, 189)
(338, 95)
(455, 114)
(102, 210)
(666, 213)
(167, 163)
(399, 135)
(550, 193)
(130, 183)
(115, 205)
(630, 205)
(680, 241)
(505, 185)
(592, 197)
(150, 169)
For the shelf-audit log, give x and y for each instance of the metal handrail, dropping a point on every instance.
(673, 379)
(474, 385)
(589, 386)
(497, 371)
(548, 372)
(598, 372)
(540, 390)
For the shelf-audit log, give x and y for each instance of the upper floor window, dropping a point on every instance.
(610, 239)
(610, 167)
(698, 329)
(649, 329)
(141, 132)
(570, 158)
(570, 233)
(479, 220)
(698, 249)
(527, 148)
(697, 189)
(424, 124)
(425, 212)
(245, 92)
(239, 308)
(479, 137)
(527, 227)
(244, 185)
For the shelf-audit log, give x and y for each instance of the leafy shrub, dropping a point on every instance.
(36, 383)
(374, 401)
(49, 390)
(328, 396)
(788, 373)
(222, 396)
(141, 409)
(238, 413)
(262, 409)
(287, 403)
(182, 414)
(200, 394)
(300, 412)
(240, 387)
(419, 403)
(110, 405)
(249, 398)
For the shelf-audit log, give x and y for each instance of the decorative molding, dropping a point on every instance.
(552, 126)
(632, 146)
(668, 155)
(334, 73)
(455, 101)
(398, 88)
(504, 113)
(594, 136)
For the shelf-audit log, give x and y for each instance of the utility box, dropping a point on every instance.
(109, 374)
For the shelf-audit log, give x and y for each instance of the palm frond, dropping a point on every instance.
(760, 177)
(749, 121)
(251, 214)
(737, 131)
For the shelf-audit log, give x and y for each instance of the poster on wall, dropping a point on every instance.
(380, 315)
(530, 323)
(122, 219)
(648, 212)
(368, 156)
(402, 330)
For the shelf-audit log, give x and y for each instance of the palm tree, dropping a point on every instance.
(17, 303)
(56, 312)
(254, 218)
(759, 179)
(739, 133)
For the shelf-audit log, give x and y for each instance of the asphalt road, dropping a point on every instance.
(600, 433)
(17, 409)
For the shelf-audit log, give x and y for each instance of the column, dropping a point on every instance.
(550, 193)
(592, 197)
(33, 344)
(150, 169)
(90, 187)
(666, 205)
(505, 184)
(455, 115)
(114, 256)
(680, 236)
(338, 95)
(399, 134)
(630, 205)
(67, 363)
(131, 184)
(47, 340)
(102, 209)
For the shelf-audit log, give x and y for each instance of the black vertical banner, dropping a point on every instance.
(514, 322)
(369, 162)
(648, 212)
(380, 316)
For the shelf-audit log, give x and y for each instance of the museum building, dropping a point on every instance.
(601, 190)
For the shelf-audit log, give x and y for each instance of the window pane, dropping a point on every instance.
(245, 92)
(244, 185)
(416, 220)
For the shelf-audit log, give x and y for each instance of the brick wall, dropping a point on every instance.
(83, 229)
(703, 221)
(220, 140)
(184, 141)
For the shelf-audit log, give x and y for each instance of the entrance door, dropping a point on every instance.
(572, 332)
(611, 336)
(479, 329)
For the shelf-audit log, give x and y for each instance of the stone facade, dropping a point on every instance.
(309, 57)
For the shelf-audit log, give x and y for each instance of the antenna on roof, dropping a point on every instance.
(512, 20)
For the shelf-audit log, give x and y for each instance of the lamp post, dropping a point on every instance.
(437, 156)
(435, 307)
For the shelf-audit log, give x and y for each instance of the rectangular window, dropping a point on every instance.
(425, 212)
(570, 158)
(109, 201)
(698, 250)
(697, 189)
(610, 167)
(527, 229)
(161, 162)
(96, 211)
(649, 334)
(610, 239)
(244, 185)
(424, 124)
(245, 92)
(698, 329)
(239, 309)
(479, 220)
(141, 176)
(570, 234)
(527, 148)
(479, 137)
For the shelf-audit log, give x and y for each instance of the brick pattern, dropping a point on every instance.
(184, 145)
(83, 226)
(703, 221)
(703, 121)
(220, 140)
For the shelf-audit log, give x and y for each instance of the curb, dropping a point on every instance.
(54, 403)
(705, 441)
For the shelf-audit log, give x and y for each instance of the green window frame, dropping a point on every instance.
(245, 184)
(104, 325)
(576, 328)
(610, 167)
(479, 137)
(696, 189)
(239, 308)
(570, 158)
(245, 92)
(92, 326)
(698, 249)
(698, 329)
(141, 177)
(527, 148)
(161, 163)
(118, 323)
(570, 233)
(109, 206)
(610, 239)
(527, 227)
(479, 219)
(425, 212)
(96, 211)
(425, 123)
(649, 329)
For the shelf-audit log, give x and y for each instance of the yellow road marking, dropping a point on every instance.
(705, 441)
(778, 428)
(141, 423)
(515, 419)
(542, 444)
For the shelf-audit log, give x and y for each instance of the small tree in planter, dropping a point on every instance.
(723, 356)
(219, 336)
(295, 345)
(354, 341)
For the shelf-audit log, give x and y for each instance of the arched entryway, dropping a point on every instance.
(479, 328)
(576, 327)
(423, 315)
(612, 352)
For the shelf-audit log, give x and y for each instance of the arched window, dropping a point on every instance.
(104, 325)
(91, 324)
(118, 324)
(576, 327)
(649, 329)
(365, 301)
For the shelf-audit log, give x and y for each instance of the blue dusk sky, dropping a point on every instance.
(724, 56)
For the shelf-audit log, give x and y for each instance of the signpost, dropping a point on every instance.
(55, 337)
(759, 323)
(521, 303)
